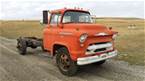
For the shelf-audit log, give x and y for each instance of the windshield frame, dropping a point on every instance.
(74, 11)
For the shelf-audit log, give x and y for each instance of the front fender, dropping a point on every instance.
(72, 52)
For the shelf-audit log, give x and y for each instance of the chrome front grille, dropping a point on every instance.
(98, 47)
(100, 50)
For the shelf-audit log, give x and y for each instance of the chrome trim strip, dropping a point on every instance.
(101, 34)
(65, 33)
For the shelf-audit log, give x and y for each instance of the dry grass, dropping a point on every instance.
(130, 42)
(15, 29)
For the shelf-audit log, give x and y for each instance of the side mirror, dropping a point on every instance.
(45, 17)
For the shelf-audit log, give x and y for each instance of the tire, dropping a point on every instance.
(65, 64)
(100, 62)
(22, 47)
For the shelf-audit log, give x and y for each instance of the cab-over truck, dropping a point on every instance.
(72, 39)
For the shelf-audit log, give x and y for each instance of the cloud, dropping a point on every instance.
(33, 9)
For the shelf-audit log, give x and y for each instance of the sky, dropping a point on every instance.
(32, 9)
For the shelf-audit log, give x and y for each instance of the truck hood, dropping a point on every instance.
(91, 29)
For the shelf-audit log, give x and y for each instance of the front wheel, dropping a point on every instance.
(65, 64)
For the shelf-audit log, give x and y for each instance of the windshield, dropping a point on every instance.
(76, 17)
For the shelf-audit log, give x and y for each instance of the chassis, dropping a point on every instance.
(24, 42)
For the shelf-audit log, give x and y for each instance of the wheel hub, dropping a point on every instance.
(64, 62)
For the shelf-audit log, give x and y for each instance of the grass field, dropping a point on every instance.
(15, 29)
(130, 42)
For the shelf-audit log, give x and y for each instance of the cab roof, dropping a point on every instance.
(68, 9)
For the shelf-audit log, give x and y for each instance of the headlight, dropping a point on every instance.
(83, 37)
(114, 36)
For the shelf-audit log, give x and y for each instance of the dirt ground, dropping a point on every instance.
(38, 66)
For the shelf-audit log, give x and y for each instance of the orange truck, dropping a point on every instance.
(72, 40)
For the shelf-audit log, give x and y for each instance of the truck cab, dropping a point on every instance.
(74, 40)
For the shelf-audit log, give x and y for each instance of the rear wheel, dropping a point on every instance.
(65, 64)
(22, 47)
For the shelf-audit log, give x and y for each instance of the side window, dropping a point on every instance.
(55, 18)
(66, 19)
(84, 18)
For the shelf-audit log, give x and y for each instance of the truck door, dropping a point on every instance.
(53, 30)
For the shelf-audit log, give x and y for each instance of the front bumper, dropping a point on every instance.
(96, 58)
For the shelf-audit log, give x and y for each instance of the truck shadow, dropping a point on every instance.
(107, 70)
(38, 52)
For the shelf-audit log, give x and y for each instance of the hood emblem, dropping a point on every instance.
(101, 34)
